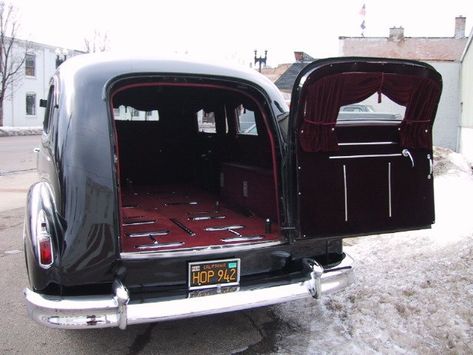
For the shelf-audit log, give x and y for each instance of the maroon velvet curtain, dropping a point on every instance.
(324, 97)
(416, 128)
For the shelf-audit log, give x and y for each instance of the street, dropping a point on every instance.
(16, 153)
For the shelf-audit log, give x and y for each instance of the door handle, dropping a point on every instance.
(36, 150)
(406, 153)
(431, 166)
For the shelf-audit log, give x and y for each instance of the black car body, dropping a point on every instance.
(154, 204)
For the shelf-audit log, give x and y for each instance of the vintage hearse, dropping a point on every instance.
(155, 202)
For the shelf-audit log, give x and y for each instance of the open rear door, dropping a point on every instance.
(365, 172)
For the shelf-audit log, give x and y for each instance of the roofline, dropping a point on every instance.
(405, 37)
(49, 46)
(465, 50)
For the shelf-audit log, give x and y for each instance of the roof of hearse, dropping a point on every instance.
(103, 67)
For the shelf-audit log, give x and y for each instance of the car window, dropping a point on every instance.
(206, 121)
(128, 113)
(373, 108)
(246, 121)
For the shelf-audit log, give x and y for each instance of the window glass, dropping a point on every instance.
(30, 104)
(246, 121)
(30, 64)
(372, 109)
(49, 109)
(206, 121)
(128, 113)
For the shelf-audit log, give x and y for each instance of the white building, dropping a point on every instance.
(466, 127)
(21, 104)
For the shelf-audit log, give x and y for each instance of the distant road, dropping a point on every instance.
(16, 154)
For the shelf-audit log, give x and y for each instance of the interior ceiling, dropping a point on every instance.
(148, 98)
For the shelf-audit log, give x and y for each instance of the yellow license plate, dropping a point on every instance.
(203, 274)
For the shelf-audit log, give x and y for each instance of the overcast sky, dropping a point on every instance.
(232, 29)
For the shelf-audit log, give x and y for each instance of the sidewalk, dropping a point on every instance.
(13, 189)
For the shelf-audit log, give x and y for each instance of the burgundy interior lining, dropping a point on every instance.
(197, 85)
(165, 204)
(249, 187)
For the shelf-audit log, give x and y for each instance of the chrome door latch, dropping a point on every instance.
(431, 166)
(406, 153)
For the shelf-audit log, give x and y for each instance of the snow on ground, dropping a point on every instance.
(20, 131)
(413, 291)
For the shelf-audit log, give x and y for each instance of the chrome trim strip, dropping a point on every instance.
(139, 223)
(224, 228)
(205, 218)
(361, 123)
(180, 203)
(242, 238)
(159, 245)
(367, 143)
(389, 189)
(345, 191)
(86, 312)
(364, 156)
(148, 234)
(203, 251)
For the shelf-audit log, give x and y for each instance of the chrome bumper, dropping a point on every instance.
(82, 312)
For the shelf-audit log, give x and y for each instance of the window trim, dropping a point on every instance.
(33, 56)
(35, 110)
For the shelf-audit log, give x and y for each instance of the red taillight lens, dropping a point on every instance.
(45, 251)
(45, 247)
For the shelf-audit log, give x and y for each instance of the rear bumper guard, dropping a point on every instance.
(81, 312)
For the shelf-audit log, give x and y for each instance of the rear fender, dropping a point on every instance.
(40, 209)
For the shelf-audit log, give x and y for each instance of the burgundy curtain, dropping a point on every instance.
(324, 97)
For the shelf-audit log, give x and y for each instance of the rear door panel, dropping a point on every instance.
(369, 183)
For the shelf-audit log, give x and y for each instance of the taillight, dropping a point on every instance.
(45, 247)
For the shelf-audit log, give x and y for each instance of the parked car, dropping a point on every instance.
(144, 220)
(357, 108)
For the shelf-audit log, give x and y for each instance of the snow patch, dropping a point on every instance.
(20, 131)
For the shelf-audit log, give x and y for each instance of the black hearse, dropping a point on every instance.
(156, 201)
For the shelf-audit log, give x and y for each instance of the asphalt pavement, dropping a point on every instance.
(16, 154)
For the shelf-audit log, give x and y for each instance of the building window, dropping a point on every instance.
(31, 104)
(30, 64)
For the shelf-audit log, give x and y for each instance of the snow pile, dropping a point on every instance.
(447, 161)
(413, 291)
(20, 131)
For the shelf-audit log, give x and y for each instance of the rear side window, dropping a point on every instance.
(49, 110)
(128, 113)
(206, 121)
(246, 121)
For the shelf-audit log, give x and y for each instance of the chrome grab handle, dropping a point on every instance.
(36, 150)
(406, 153)
(431, 166)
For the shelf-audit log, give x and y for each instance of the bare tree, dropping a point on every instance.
(12, 56)
(98, 42)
